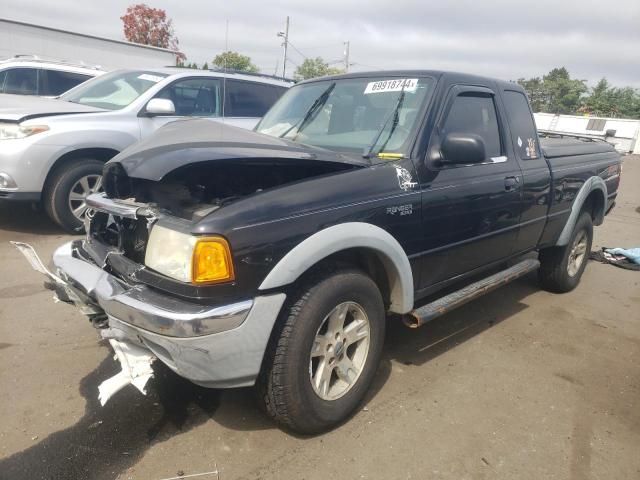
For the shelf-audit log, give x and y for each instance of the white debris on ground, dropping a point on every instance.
(136, 370)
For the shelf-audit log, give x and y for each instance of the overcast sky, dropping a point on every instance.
(506, 39)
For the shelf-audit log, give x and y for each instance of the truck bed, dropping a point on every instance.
(571, 147)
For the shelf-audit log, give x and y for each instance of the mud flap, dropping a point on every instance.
(136, 370)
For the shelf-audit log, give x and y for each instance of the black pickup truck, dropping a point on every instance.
(273, 257)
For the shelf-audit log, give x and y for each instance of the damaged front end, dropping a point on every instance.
(140, 274)
(211, 343)
(134, 360)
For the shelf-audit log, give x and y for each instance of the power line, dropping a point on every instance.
(297, 50)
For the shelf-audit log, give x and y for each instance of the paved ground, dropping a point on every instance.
(521, 384)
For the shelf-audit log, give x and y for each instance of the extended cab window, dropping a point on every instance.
(58, 82)
(523, 130)
(21, 81)
(194, 97)
(475, 113)
(250, 99)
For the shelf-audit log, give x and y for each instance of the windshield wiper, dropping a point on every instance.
(395, 114)
(309, 116)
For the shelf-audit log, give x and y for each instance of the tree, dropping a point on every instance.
(556, 92)
(234, 61)
(536, 92)
(205, 66)
(564, 93)
(314, 67)
(608, 101)
(151, 26)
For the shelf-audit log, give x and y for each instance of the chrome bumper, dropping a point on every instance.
(215, 347)
(142, 307)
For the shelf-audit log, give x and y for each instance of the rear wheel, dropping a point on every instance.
(69, 187)
(325, 353)
(561, 267)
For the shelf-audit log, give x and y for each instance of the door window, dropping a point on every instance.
(250, 99)
(194, 97)
(3, 75)
(523, 130)
(21, 81)
(475, 113)
(57, 82)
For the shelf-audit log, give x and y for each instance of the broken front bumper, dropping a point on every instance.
(220, 346)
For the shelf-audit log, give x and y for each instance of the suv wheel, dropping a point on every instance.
(561, 267)
(325, 353)
(65, 199)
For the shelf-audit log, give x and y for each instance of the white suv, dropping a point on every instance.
(30, 75)
(52, 150)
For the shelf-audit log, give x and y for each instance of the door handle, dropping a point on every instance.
(511, 183)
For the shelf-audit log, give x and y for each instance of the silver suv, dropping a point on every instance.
(32, 75)
(52, 150)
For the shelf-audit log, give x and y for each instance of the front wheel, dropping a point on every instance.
(561, 267)
(65, 199)
(325, 353)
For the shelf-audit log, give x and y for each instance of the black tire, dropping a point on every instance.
(555, 273)
(58, 190)
(285, 386)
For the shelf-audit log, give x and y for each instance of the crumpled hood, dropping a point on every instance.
(18, 108)
(189, 141)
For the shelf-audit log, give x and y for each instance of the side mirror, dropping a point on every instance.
(463, 148)
(610, 133)
(160, 106)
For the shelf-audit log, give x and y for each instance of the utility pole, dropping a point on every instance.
(346, 56)
(285, 44)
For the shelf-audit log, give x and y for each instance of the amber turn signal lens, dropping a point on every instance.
(212, 261)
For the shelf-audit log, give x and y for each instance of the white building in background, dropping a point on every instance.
(19, 38)
(626, 139)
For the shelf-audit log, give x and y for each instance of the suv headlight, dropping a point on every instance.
(187, 258)
(11, 131)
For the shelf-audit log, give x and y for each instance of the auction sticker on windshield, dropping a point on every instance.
(150, 78)
(396, 85)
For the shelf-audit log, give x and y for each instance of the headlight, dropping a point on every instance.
(11, 131)
(184, 257)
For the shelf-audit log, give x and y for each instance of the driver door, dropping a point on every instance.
(471, 212)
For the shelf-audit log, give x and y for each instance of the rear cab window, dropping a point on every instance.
(523, 130)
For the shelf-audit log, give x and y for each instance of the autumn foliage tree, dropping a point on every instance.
(150, 26)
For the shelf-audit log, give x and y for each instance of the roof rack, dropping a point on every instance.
(240, 72)
(36, 58)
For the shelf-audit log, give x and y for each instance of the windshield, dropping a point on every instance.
(360, 115)
(115, 90)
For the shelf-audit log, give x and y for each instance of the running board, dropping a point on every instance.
(418, 317)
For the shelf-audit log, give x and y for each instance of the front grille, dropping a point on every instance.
(129, 235)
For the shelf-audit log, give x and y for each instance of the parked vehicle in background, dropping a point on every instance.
(31, 75)
(273, 257)
(52, 150)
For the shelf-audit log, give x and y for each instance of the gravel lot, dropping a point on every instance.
(521, 384)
